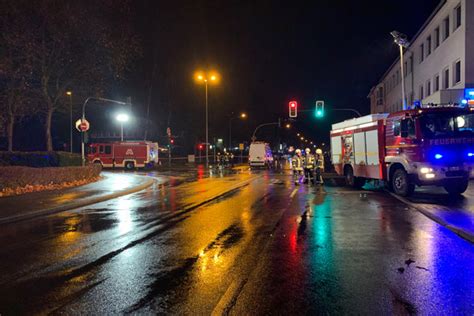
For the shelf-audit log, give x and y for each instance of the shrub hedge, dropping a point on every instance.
(14, 177)
(40, 159)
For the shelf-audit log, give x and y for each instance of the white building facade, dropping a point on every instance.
(438, 64)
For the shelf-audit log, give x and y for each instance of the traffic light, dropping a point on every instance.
(200, 146)
(293, 108)
(319, 109)
(171, 141)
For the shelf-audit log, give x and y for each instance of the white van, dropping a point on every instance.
(260, 155)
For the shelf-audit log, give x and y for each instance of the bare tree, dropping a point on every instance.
(16, 99)
(72, 43)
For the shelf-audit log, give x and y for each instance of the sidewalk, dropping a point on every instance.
(112, 185)
(456, 214)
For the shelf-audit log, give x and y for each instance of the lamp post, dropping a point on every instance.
(83, 118)
(401, 40)
(242, 116)
(211, 77)
(122, 118)
(69, 94)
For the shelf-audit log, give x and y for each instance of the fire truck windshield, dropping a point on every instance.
(447, 125)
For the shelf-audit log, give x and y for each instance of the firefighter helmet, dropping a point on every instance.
(319, 151)
(307, 150)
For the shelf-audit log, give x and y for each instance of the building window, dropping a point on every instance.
(421, 92)
(436, 37)
(397, 76)
(411, 64)
(379, 96)
(428, 88)
(457, 17)
(436, 83)
(446, 79)
(446, 28)
(428, 46)
(457, 72)
(422, 52)
(405, 69)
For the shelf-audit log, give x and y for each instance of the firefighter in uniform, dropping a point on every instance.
(297, 163)
(308, 166)
(319, 166)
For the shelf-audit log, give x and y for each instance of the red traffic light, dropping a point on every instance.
(293, 108)
(172, 141)
(200, 147)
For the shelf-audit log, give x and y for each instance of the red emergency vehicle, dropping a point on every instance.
(424, 146)
(127, 154)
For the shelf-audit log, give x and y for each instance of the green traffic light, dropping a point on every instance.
(319, 113)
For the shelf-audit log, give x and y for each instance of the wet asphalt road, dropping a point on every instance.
(236, 244)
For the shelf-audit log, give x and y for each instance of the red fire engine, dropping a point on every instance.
(424, 146)
(128, 154)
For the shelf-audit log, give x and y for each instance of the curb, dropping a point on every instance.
(461, 233)
(70, 206)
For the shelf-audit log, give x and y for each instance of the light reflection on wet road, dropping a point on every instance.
(261, 248)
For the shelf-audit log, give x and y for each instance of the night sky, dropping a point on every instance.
(267, 53)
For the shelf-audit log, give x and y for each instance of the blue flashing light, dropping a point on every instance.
(468, 93)
(470, 154)
(438, 156)
(464, 101)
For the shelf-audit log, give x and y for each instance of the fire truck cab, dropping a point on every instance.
(425, 146)
(128, 155)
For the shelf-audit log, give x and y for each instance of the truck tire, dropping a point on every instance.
(355, 182)
(129, 165)
(456, 187)
(401, 183)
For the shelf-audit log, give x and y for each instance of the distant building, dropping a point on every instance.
(439, 63)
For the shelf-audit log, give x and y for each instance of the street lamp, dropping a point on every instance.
(241, 116)
(288, 126)
(122, 118)
(69, 94)
(213, 78)
(401, 40)
(83, 118)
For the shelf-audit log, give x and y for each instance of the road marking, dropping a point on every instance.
(293, 193)
(466, 235)
(229, 298)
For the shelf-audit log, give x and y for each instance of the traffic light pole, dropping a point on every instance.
(352, 110)
(262, 125)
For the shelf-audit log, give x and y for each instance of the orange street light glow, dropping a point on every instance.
(69, 93)
(243, 115)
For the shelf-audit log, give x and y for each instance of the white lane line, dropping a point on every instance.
(293, 193)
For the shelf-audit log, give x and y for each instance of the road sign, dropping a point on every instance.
(82, 125)
(241, 146)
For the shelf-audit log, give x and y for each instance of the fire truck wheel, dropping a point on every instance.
(401, 183)
(129, 165)
(456, 187)
(352, 181)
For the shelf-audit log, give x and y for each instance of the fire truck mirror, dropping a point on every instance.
(404, 128)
